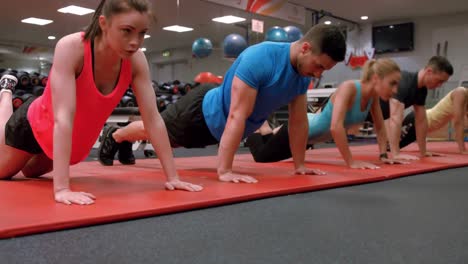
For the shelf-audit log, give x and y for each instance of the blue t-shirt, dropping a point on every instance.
(267, 68)
(319, 124)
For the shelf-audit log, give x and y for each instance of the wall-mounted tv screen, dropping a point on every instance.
(393, 38)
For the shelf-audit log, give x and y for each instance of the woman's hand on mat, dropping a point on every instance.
(464, 152)
(306, 171)
(68, 197)
(181, 185)
(357, 164)
(432, 154)
(393, 161)
(236, 178)
(405, 157)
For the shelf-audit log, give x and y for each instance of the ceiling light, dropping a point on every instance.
(364, 17)
(328, 22)
(51, 37)
(37, 21)
(76, 10)
(228, 19)
(143, 49)
(147, 36)
(178, 28)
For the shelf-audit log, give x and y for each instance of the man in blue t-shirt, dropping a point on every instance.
(263, 78)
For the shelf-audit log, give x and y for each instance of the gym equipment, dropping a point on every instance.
(43, 80)
(233, 45)
(276, 34)
(293, 33)
(38, 90)
(128, 101)
(130, 192)
(35, 81)
(23, 79)
(202, 47)
(207, 77)
(18, 100)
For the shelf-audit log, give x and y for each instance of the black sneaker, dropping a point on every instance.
(8, 82)
(108, 147)
(125, 155)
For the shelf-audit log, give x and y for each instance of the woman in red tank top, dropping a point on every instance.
(90, 74)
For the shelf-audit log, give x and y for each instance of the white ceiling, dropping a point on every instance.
(14, 35)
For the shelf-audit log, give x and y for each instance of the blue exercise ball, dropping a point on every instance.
(202, 47)
(234, 44)
(294, 33)
(276, 34)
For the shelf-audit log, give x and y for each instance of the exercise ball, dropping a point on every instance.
(276, 34)
(234, 44)
(202, 47)
(293, 33)
(207, 77)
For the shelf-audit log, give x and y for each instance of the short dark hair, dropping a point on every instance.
(440, 64)
(328, 39)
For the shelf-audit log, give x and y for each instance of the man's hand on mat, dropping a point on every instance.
(432, 154)
(357, 164)
(236, 178)
(306, 171)
(180, 185)
(68, 197)
(405, 157)
(394, 161)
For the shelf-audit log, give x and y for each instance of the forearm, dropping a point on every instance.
(298, 135)
(421, 133)
(230, 141)
(160, 140)
(382, 140)
(394, 135)
(62, 152)
(459, 135)
(341, 142)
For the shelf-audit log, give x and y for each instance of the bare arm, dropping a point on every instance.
(68, 58)
(242, 104)
(459, 111)
(421, 127)
(154, 124)
(379, 126)
(298, 134)
(342, 100)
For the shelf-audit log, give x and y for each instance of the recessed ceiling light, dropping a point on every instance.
(76, 10)
(147, 36)
(364, 17)
(328, 22)
(228, 19)
(37, 21)
(143, 49)
(391, 26)
(178, 28)
(51, 37)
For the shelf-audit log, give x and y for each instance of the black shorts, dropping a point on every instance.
(18, 132)
(270, 147)
(185, 122)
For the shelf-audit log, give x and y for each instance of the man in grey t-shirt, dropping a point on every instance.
(412, 91)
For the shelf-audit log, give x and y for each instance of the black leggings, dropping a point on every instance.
(408, 131)
(270, 147)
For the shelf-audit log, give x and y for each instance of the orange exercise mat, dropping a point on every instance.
(128, 192)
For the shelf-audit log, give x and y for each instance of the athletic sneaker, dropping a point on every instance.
(125, 154)
(108, 147)
(8, 82)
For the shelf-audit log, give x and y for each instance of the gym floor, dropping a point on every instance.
(417, 219)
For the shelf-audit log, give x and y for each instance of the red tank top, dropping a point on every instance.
(92, 109)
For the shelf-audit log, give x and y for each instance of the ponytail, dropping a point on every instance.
(94, 29)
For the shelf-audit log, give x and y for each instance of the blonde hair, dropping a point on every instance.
(381, 67)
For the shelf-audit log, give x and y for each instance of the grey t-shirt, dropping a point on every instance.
(408, 93)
